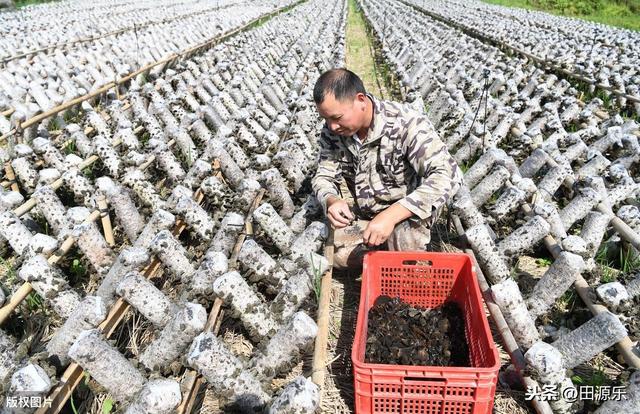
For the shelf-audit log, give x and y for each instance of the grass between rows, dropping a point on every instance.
(358, 56)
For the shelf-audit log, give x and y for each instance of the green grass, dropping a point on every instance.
(619, 13)
(107, 406)
(23, 3)
(144, 138)
(608, 273)
(9, 273)
(610, 264)
(33, 302)
(469, 163)
(597, 379)
(364, 57)
(55, 124)
(78, 271)
(567, 301)
(88, 172)
(317, 279)
(73, 405)
(70, 148)
(629, 262)
(545, 262)
(71, 116)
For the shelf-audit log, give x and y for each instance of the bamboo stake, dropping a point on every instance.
(8, 171)
(15, 300)
(106, 221)
(194, 380)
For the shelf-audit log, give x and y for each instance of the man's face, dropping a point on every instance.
(343, 117)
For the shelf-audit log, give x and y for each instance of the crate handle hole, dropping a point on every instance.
(423, 379)
(413, 262)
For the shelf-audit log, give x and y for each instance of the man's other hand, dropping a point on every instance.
(378, 230)
(338, 212)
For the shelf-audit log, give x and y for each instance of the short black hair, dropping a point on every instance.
(340, 82)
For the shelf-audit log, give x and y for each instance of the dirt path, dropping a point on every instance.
(359, 52)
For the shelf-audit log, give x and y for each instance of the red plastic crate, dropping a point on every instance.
(425, 279)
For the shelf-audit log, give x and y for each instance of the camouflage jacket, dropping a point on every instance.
(402, 159)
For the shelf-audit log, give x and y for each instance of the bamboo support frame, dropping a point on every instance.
(620, 226)
(193, 379)
(5, 311)
(170, 59)
(512, 347)
(74, 373)
(624, 346)
(25, 289)
(109, 34)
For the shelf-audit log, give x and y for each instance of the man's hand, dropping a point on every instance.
(338, 212)
(380, 228)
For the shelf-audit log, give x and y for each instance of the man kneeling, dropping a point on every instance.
(395, 166)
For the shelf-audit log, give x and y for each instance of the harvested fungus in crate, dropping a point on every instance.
(401, 334)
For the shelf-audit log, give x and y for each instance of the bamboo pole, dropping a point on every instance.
(319, 363)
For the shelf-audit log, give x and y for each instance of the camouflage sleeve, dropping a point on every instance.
(439, 177)
(325, 182)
